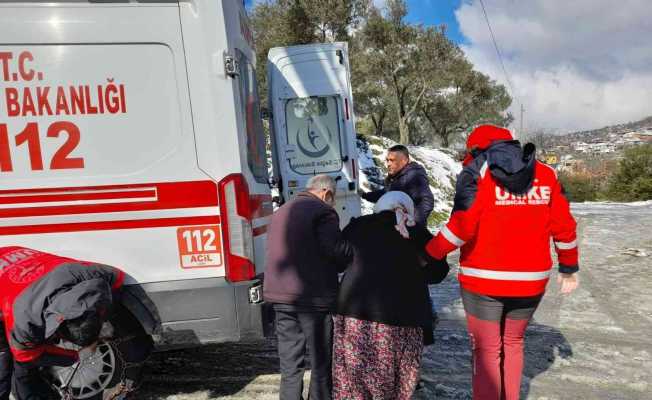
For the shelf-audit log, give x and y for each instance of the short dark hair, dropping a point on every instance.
(399, 148)
(82, 331)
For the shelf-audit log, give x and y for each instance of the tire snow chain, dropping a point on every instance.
(123, 388)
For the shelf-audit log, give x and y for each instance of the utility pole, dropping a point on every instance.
(520, 132)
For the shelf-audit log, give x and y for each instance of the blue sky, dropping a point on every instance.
(574, 65)
(430, 12)
(437, 12)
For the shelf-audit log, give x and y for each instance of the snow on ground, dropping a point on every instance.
(442, 170)
(441, 166)
(592, 345)
(605, 207)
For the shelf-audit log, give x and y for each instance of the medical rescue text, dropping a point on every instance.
(24, 96)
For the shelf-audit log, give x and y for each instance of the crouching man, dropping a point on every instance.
(45, 298)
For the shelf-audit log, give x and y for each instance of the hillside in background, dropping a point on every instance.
(593, 154)
(441, 166)
(642, 125)
(614, 136)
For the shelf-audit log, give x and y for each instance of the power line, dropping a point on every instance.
(493, 39)
(500, 58)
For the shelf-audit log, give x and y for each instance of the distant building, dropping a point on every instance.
(595, 148)
(643, 136)
(603, 147)
(580, 147)
(551, 159)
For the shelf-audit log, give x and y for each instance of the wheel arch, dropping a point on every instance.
(135, 300)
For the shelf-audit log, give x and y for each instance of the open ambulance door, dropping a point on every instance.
(312, 123)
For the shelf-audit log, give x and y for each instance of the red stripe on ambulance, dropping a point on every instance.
(111, 195)
(104, 199)
(110, 225)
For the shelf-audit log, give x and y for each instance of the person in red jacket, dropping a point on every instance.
(45, 298)
(507, 207)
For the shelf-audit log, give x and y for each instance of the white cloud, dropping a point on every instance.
(574, 64)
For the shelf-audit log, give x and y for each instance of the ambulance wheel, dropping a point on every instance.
(114, 370)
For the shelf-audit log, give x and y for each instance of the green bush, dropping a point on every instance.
(633, 180)
(580, 188)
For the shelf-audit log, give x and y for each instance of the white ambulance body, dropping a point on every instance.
(130, 135)
(313, 126)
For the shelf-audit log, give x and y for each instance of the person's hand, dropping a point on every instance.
(568, 282)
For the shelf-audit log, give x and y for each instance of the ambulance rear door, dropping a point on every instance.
(312, 121)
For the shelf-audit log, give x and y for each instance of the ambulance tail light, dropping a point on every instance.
(235, 210)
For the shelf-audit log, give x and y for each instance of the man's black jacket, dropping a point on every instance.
(413, 181)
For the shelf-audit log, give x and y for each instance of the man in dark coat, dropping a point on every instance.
(305, 252)
(45, 298)
(409, 177)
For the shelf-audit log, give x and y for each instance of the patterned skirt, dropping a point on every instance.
(375, 361)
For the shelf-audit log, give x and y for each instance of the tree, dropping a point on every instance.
(580, 188)
(633, 180)
(401, 58)
(270, 29)
(467, 99)
(332, 20)
(290, 22)
(371, 93)
(408, 80)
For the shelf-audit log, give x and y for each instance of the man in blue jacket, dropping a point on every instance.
(409, 177)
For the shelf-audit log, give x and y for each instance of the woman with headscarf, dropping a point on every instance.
(383, 314)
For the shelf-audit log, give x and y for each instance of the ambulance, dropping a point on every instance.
(131, 135)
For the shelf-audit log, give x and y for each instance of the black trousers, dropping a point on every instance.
(302, 331)
(23, 379)
(6, 365)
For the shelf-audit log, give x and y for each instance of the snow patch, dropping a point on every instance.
(440, 165)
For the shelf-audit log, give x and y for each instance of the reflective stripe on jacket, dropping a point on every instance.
(505, 237)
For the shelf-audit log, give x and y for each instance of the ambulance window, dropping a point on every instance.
(313, 129)
(256, 149)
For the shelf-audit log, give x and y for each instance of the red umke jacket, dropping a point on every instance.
(507, 208)
(39, 291)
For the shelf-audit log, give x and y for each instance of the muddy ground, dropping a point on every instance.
(594, 344)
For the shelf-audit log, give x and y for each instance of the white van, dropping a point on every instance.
(130, 135)
(313, 126)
